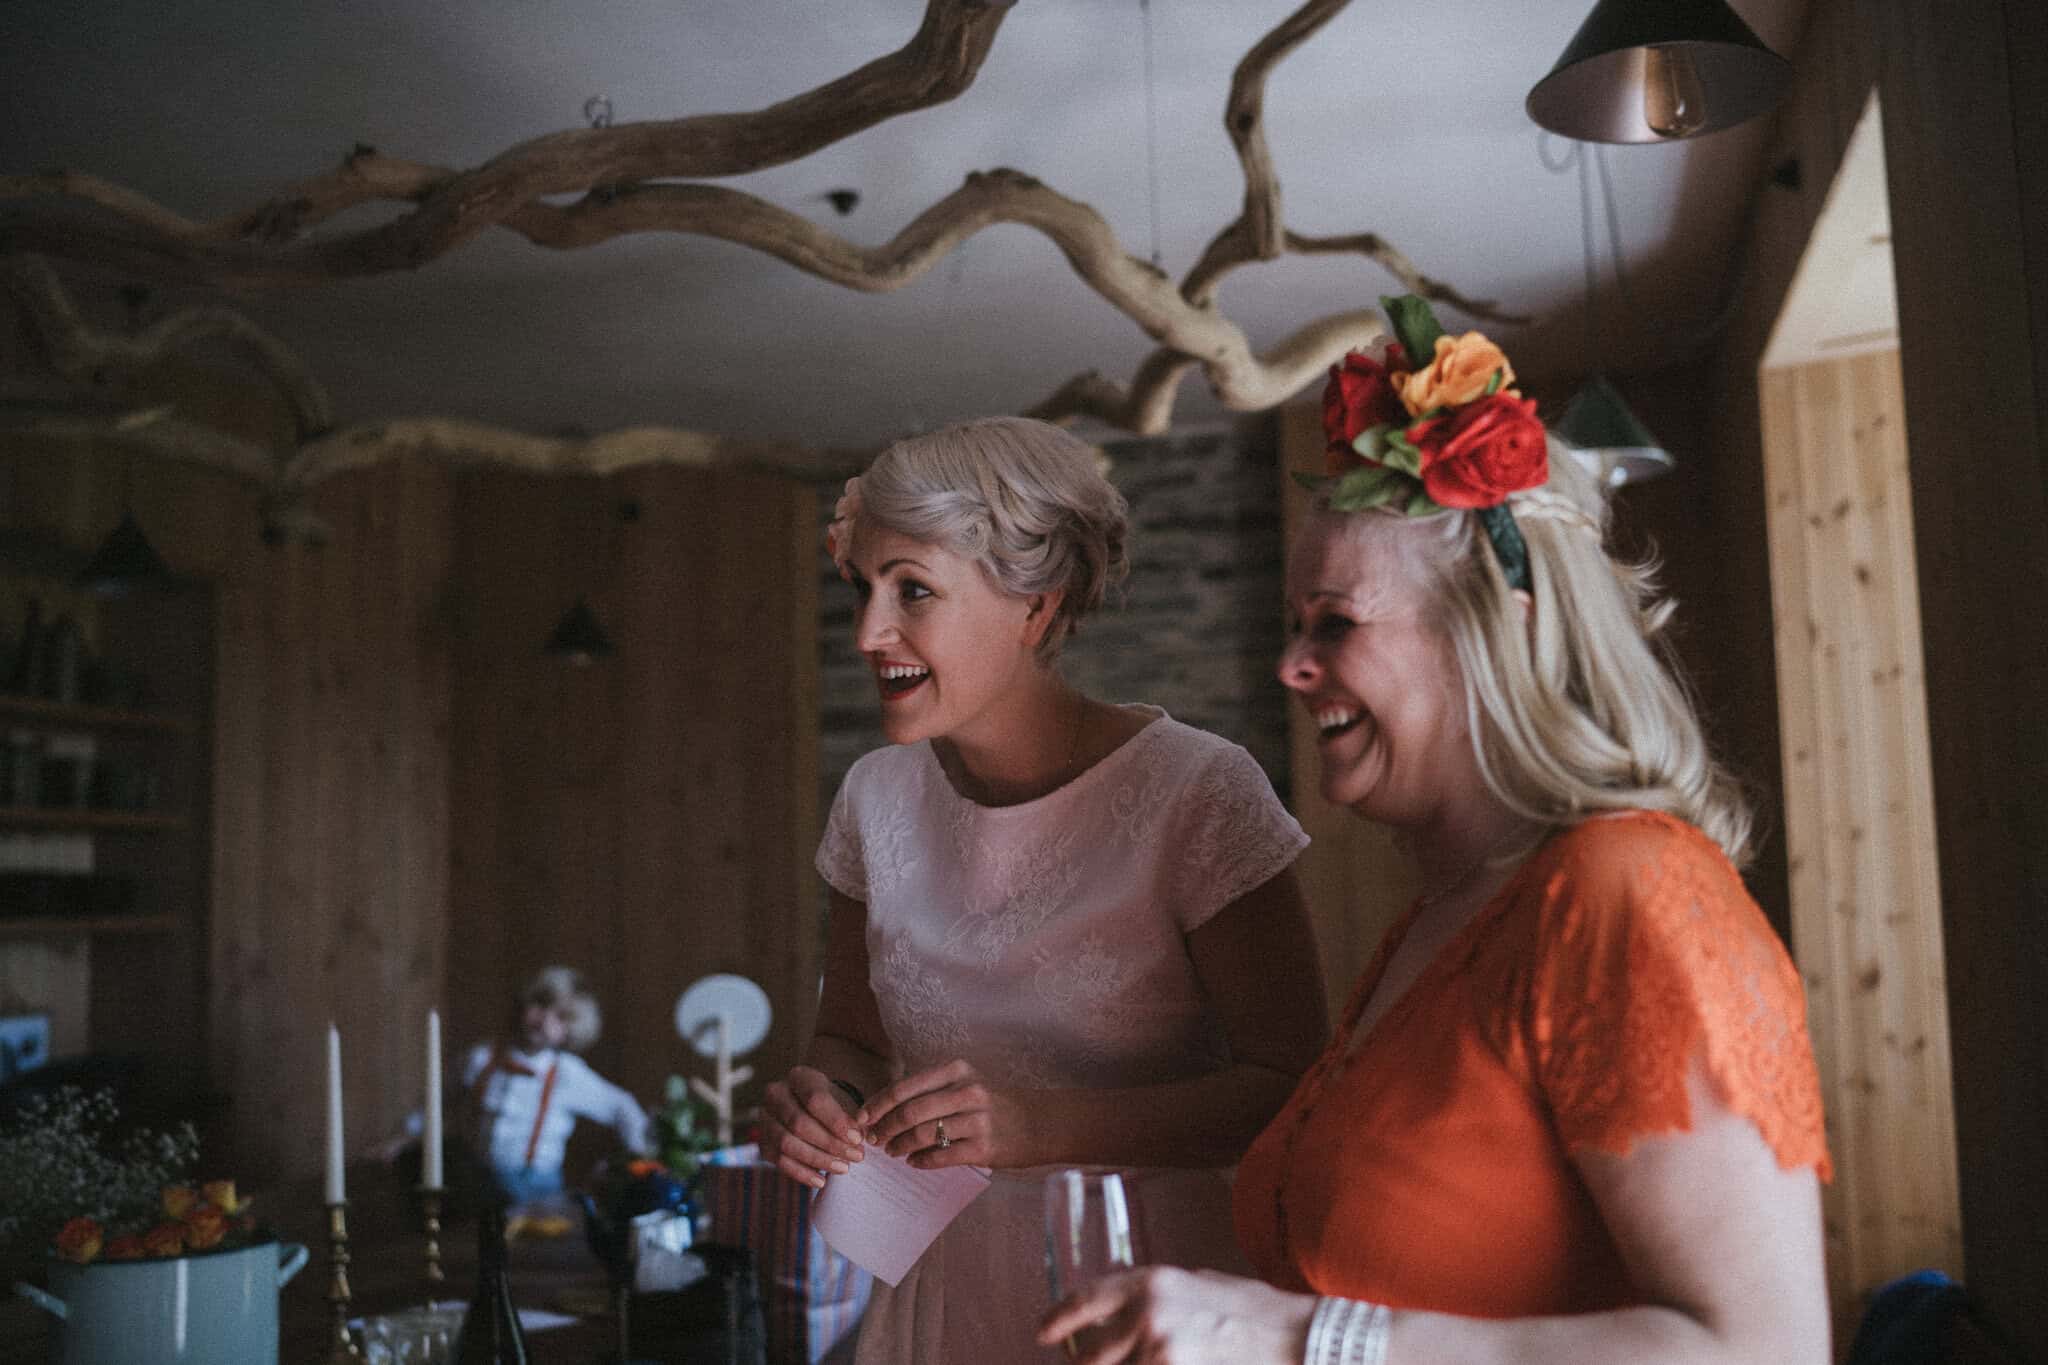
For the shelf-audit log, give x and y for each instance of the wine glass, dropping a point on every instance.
(1089, 1233)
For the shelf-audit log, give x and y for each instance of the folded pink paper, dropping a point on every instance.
(884, 1212)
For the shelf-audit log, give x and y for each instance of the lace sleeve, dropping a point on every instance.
(1230, 835)
(840, 861)
(1654, 954)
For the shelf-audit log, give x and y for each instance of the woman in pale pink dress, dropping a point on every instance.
(1064, 932)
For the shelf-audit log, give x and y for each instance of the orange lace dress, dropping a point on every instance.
(1431, 1165)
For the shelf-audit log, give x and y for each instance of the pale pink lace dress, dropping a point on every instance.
(1045, 943)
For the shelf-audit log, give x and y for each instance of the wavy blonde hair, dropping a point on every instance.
(1023, 499)
(1579, 706)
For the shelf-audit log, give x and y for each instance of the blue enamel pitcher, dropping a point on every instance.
(205, 1308)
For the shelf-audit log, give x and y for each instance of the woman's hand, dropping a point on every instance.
(983, 1127)
(805, 1131)
(1181, 1317)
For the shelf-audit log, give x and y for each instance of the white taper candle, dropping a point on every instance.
(336, 1190)
(430, 1157)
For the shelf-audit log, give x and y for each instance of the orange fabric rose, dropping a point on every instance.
(205, 1225)
(165, 1239)
(221, 1194)
(1459, 374)
(177, 1200)
(126, 1247)
(80, 1240)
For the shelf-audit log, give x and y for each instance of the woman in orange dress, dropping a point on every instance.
(1571, 1113)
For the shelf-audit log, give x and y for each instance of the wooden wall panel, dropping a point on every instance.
(647, 819)
(1966, 149)
(1859, 817)
(328, 786)
(1965, 125)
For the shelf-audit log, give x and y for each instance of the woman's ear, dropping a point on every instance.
(1044, 610)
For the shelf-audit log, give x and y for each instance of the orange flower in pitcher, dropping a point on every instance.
(221, 1194)
(80, 1240)
(165, 1239)
(205, 1225)
(177, 1200)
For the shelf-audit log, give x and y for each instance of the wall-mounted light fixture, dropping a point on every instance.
(578, 638)
(1658, 71)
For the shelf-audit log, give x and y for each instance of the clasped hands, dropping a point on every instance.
(808, 1131)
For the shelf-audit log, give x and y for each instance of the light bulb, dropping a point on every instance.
(1674, 101)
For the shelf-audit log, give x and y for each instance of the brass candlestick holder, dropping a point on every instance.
(430, 1205)
(343, 1349)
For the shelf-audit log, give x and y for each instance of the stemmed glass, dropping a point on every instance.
(1089, 1233)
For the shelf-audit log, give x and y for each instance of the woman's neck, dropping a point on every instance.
(1028, 749)
(1466, 847)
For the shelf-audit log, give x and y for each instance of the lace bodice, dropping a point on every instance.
(1565, 1017)
(1043, 942)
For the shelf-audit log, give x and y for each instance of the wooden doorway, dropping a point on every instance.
(1858, 790)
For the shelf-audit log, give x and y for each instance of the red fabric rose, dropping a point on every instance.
(1477, 455)
(1360, 394)
(126, 1247)
(165, 1239)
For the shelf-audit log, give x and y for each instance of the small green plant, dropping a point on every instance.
(684, 1130)
(59, 1161)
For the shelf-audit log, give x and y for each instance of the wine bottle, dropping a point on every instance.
(490, 1329)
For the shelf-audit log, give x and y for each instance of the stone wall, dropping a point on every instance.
(1196, 628)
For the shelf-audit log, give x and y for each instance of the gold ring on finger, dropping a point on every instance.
(944, 1141)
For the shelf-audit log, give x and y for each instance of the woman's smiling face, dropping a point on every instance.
(1377, 677)
(944, 643)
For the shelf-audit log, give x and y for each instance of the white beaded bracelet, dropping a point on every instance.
(1348, 1332)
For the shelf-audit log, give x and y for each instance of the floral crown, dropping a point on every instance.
(1449, 436)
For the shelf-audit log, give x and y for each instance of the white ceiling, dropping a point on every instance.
(1404, 120)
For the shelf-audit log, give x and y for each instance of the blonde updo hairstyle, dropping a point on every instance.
(1577, 707)
(1023, 499)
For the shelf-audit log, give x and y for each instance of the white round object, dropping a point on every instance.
(744, 1005)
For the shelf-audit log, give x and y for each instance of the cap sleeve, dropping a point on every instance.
(840, 861)
(1231, 835)
(1653, 955)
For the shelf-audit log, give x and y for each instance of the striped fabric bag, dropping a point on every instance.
(811, 1297)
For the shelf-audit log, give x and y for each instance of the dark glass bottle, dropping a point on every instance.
(490, 1329)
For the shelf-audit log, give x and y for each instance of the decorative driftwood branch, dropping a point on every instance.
(97, 367)
(626, 173)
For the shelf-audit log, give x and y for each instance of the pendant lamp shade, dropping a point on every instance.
(1657, 71)
(1608, 438)
(578, 638)
(124, 561)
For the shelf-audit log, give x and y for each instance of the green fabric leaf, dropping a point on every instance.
(1415, 327)
(1401, 455)
(1372, 442)
(1508, 545)
(1422, 504)
(1493, 384)
(1372, 486)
